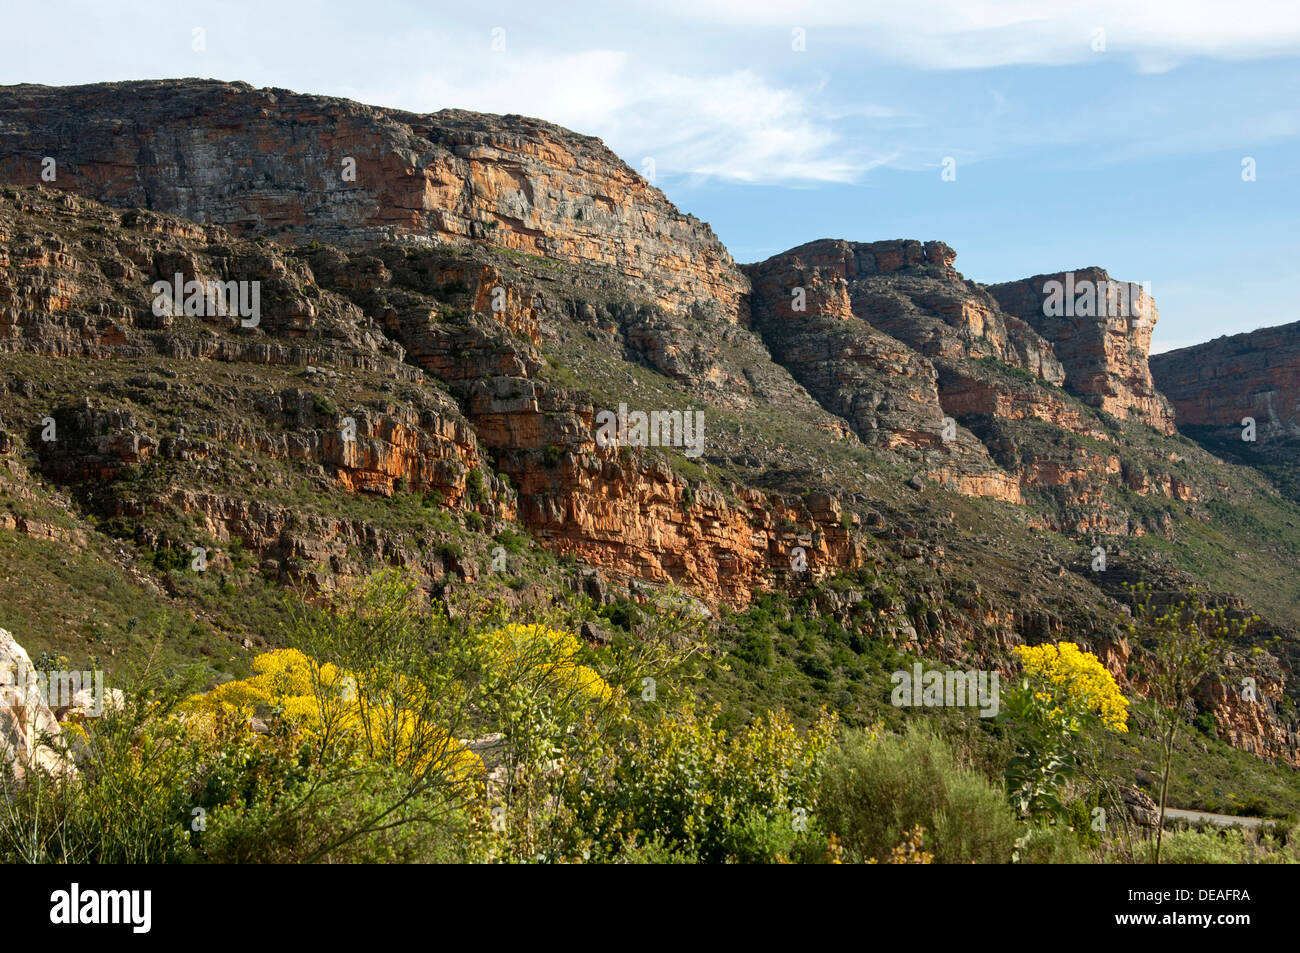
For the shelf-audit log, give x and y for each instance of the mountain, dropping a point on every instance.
(440, 338)
(292, 167)
(1220, 386)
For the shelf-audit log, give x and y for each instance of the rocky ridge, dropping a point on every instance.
(1218, 383)
(458, 350)
(298, 168)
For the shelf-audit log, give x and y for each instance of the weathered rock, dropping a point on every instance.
(1220, 382)
(1103, 346)
(29, 731)
(1141, 808)
(298, 167)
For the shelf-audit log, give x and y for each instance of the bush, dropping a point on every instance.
(476, 486)
(1062, 696)
(1206, 724)
(323, 406)
(1232, 846)
(450, 552)
(710, 795)
(512, 541)
(1053, 844)
(127, 804)
(876, 789)
(344, 747)
(170, 560)
(622, 613)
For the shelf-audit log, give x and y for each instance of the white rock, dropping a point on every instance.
(28, 728)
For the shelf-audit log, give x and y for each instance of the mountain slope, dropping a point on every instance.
(298, 167)
(473, 363)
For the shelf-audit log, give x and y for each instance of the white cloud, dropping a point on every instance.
(733, 126)
(969, 34)
(712, 88)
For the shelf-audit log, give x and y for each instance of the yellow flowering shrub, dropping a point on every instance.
(545, 655)
(1074, 681)
(310, 696)
(281, 679)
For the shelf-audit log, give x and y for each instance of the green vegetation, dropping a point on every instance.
(343, 747)
(476, 486)
(876, 789)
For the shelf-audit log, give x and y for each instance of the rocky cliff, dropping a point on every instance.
(1101, 331)
(889, 336)
(923, 459)
(1218, 383)
(297, 167)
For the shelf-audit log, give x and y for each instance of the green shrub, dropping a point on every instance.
(1210, 845)
(876, 789)
(127, 805)
(512, 541)
(756, 647)
(450, 551)
(712, 795)
(1053, 844)
(622, 613)
(170, 560)
(323, 406)
(476, 486)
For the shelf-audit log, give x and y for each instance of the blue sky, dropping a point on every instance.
(1108, 133)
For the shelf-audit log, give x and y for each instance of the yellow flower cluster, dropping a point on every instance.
(282, 679)
(309, 695)
(909, 851)
(1076, 681)
(548, 654)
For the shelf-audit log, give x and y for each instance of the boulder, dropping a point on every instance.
(29, 731)
(1141, 808)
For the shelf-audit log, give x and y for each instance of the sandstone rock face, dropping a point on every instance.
(76, 285)
(273, 162)
(455, 356)
(1218, 383)
(910, 291)
(317, 385)
(625, 512)
(1103, 344)
(853, 323)
(890, 337)
(28, 728)
(71, 292)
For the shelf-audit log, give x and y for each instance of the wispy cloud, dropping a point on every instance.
(734, 126)
(976, 34)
